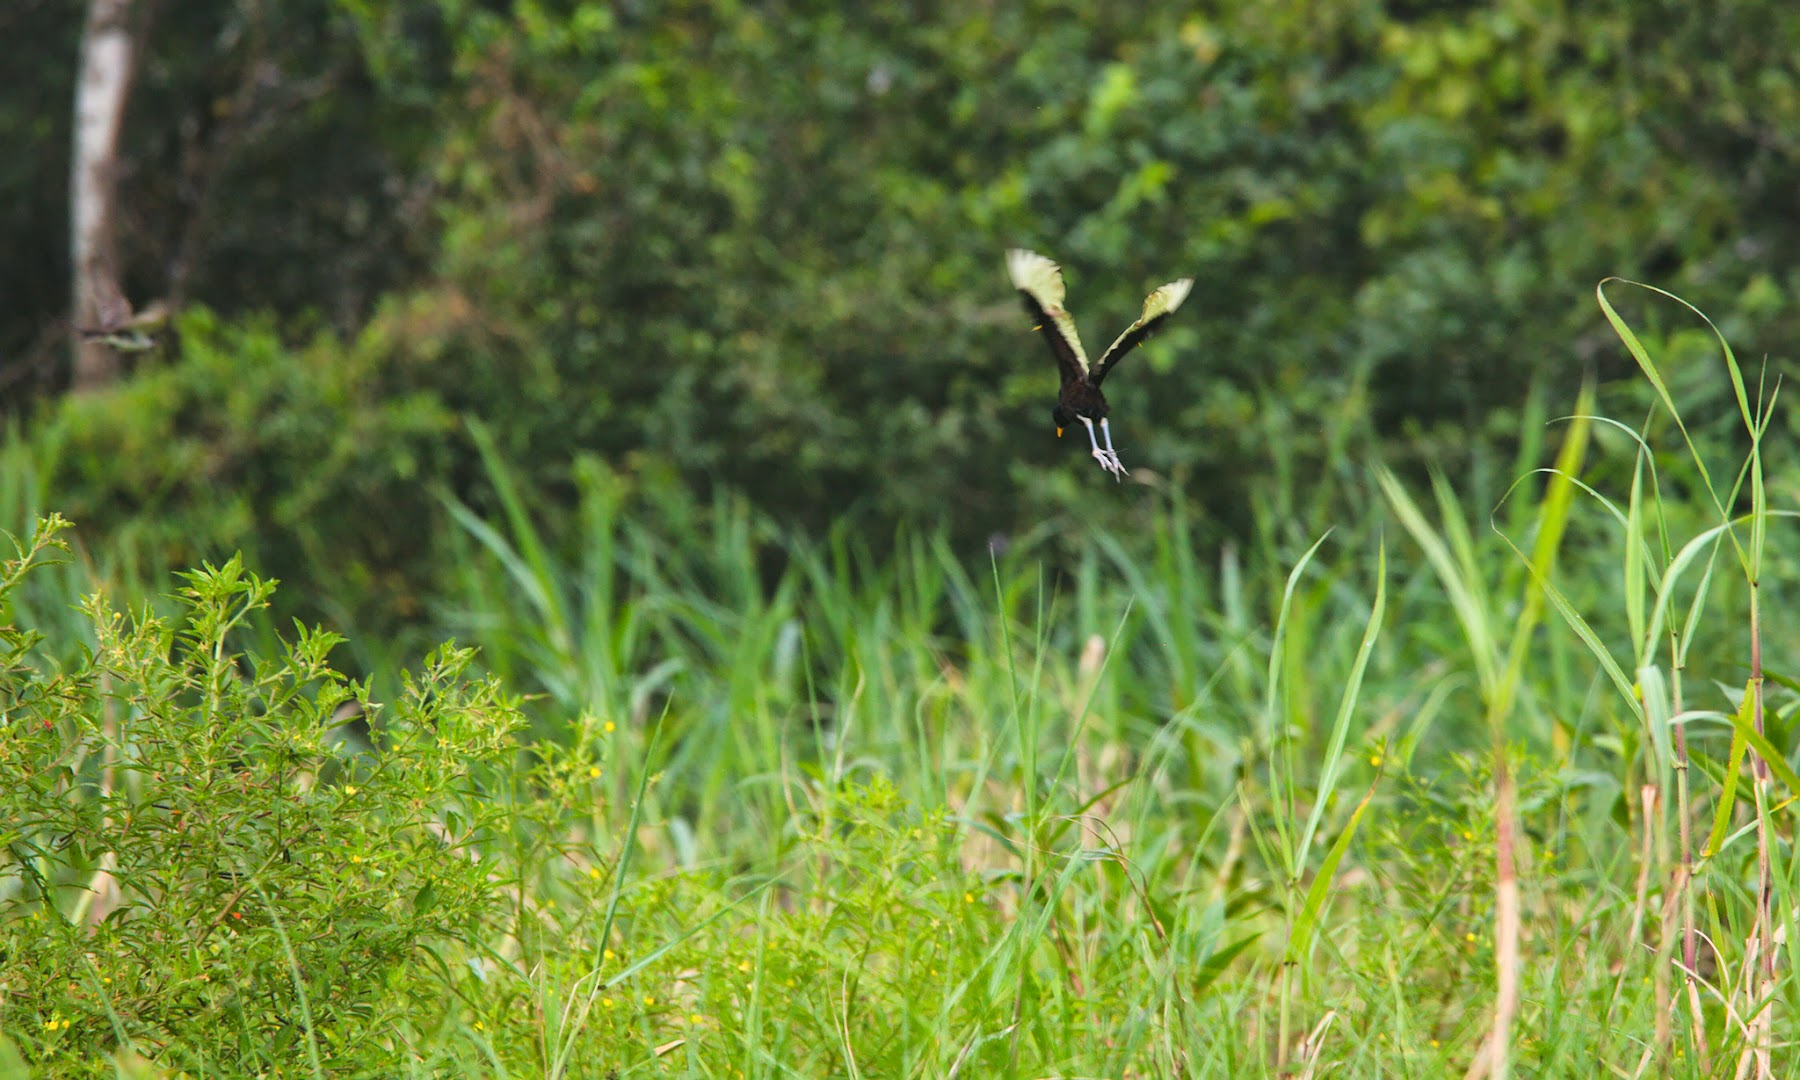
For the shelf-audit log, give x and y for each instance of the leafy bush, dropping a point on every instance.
(312, 460)
(201, 859)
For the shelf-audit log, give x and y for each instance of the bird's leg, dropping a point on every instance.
(1107, 462)
(1106, 432)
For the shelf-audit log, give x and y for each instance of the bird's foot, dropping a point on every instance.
(1109, 461)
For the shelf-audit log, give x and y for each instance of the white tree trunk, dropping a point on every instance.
(108, 55)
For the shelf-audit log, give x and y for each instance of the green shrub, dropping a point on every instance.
(310, 459)
(202, 860)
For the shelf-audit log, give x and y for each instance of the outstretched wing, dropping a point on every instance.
(1158, 306)
(1040, 281)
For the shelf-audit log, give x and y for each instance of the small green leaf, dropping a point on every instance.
(1307, 923)
(1216, 964)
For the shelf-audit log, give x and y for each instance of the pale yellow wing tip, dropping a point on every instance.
(1021, 262)
(1166, 299)
(1033, 273)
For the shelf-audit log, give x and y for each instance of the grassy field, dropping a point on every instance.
(1442, 784)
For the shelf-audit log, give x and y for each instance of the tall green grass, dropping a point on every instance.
(1447, 785)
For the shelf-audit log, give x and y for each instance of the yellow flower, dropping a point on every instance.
(648, 1000)
(606, 1003)
(594, 872)
(594, 772)
(611, 727)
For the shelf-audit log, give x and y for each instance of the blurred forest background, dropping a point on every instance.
(753, 251)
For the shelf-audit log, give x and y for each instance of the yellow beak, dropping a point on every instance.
(1059, 433)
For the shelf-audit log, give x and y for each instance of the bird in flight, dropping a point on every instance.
(1040, 282)
(116, 325)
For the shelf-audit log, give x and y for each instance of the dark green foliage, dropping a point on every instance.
(35, 102)
(314, 459)
(263, 165)
(761, 248)
(272, 168)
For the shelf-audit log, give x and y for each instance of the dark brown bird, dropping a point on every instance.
(1040, 282)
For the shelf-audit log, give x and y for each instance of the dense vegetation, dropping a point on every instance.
(811, 710)
(756, 249)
